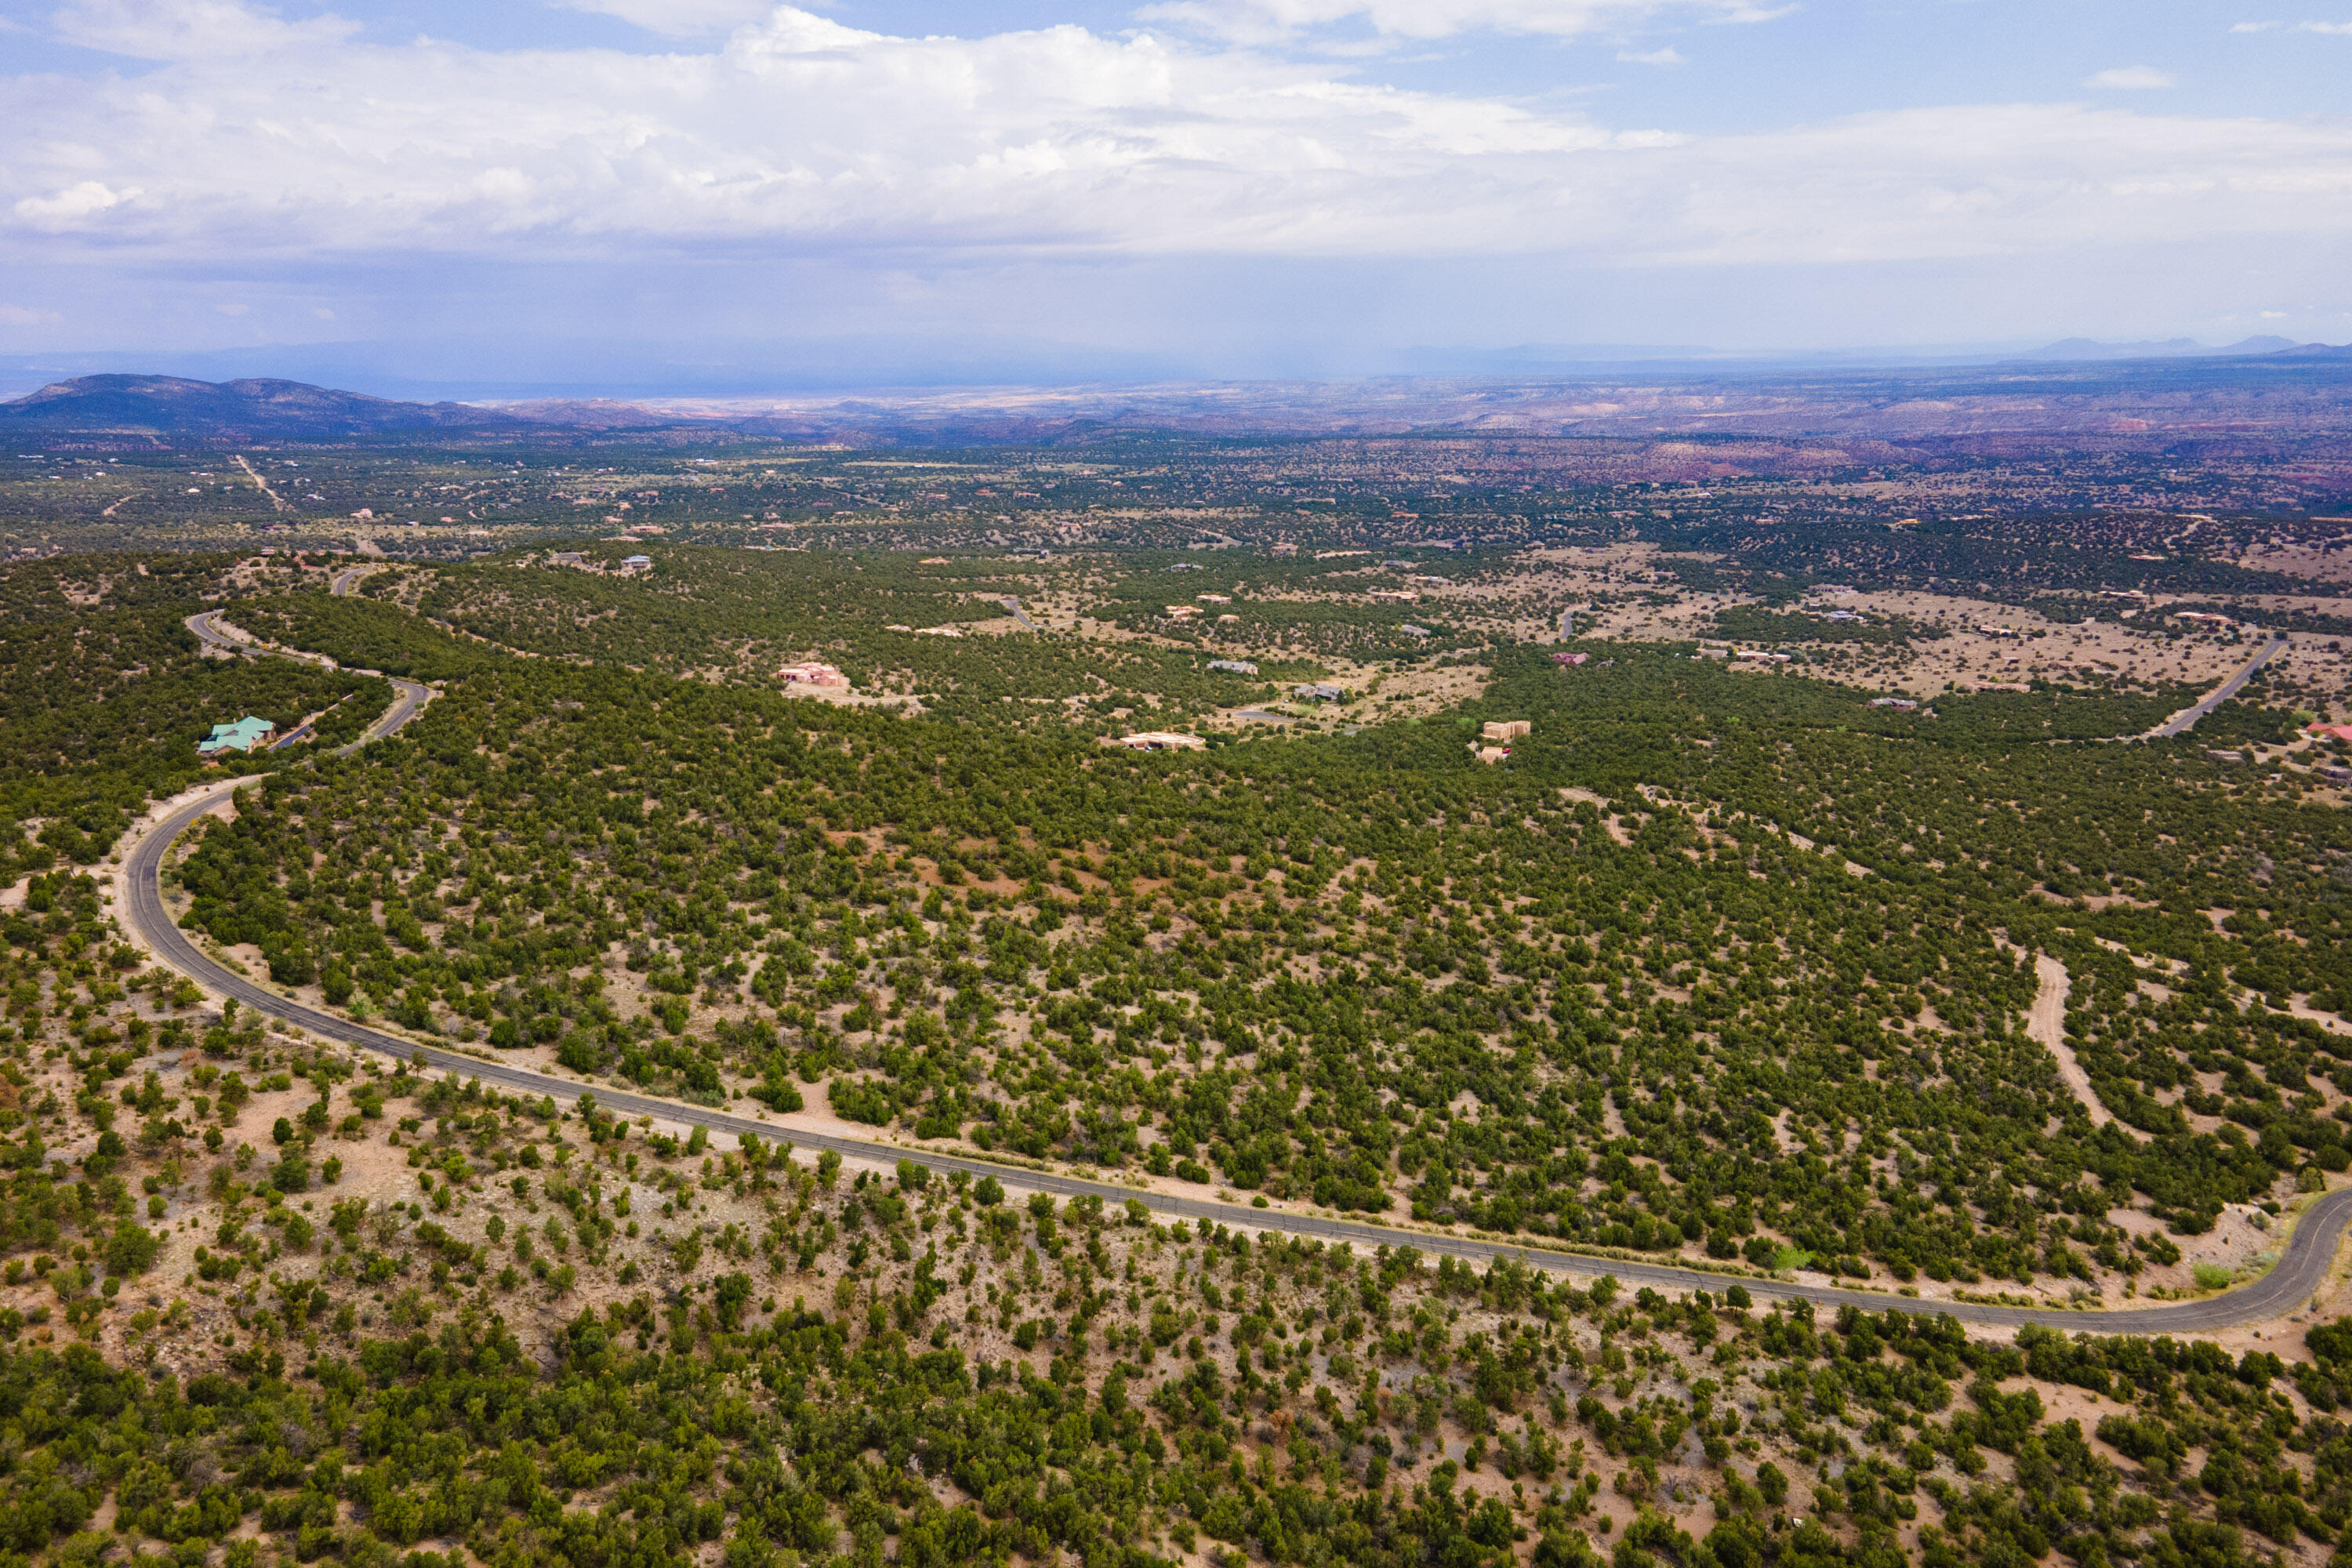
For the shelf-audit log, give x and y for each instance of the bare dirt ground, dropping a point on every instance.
(1983, 644)
(2046, 1022)
(850, 696)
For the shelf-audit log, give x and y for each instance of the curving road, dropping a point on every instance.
(409, 696)
(408, 699)
(2285, 1288)
(2288, 1286)
(2180, 723)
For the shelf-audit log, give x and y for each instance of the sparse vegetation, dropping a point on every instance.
(1717, 966)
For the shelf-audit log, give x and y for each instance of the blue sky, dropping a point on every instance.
(617, 190)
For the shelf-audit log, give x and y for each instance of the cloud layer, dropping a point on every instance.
(1263, 21)
(253, 138)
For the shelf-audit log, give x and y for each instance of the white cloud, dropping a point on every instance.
(83, 199)
(2340, 28)
(2129, 78)
(193, 30)
(2255, 26)
(802, 137)
(677, 18)
(27, 316)
(1666, 56)
(1266, 21)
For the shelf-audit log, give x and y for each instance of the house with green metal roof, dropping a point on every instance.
(242, 736)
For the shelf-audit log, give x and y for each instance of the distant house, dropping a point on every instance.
(1182, 612)
(1900, 704)
(1214, 598)
(1315, 691)
(1570, 659)
(242, 736)
(1489, 754)
(565, 558)
(809, 672)
(1408, 629)
(1234, 666)
(2329, 732)
(1163, 740)
(635, 565)
(1504, 729)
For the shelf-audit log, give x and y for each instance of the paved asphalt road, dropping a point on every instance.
(409, 696)
(2180, 723)
(2287, 1287)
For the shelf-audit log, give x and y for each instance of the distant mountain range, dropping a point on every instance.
(2080, 380)
(2081, 349)
(168, 407)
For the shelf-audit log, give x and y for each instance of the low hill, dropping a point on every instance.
(168, 407)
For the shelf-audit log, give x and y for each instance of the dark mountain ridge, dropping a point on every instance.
(163, 407)
(2306, 386)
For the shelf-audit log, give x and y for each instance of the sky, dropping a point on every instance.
(696, 192)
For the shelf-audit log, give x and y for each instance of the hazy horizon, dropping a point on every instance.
(494, 374)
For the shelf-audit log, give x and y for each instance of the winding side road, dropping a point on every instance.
(409, 696)
(2299, 1274)
(2180, 723)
